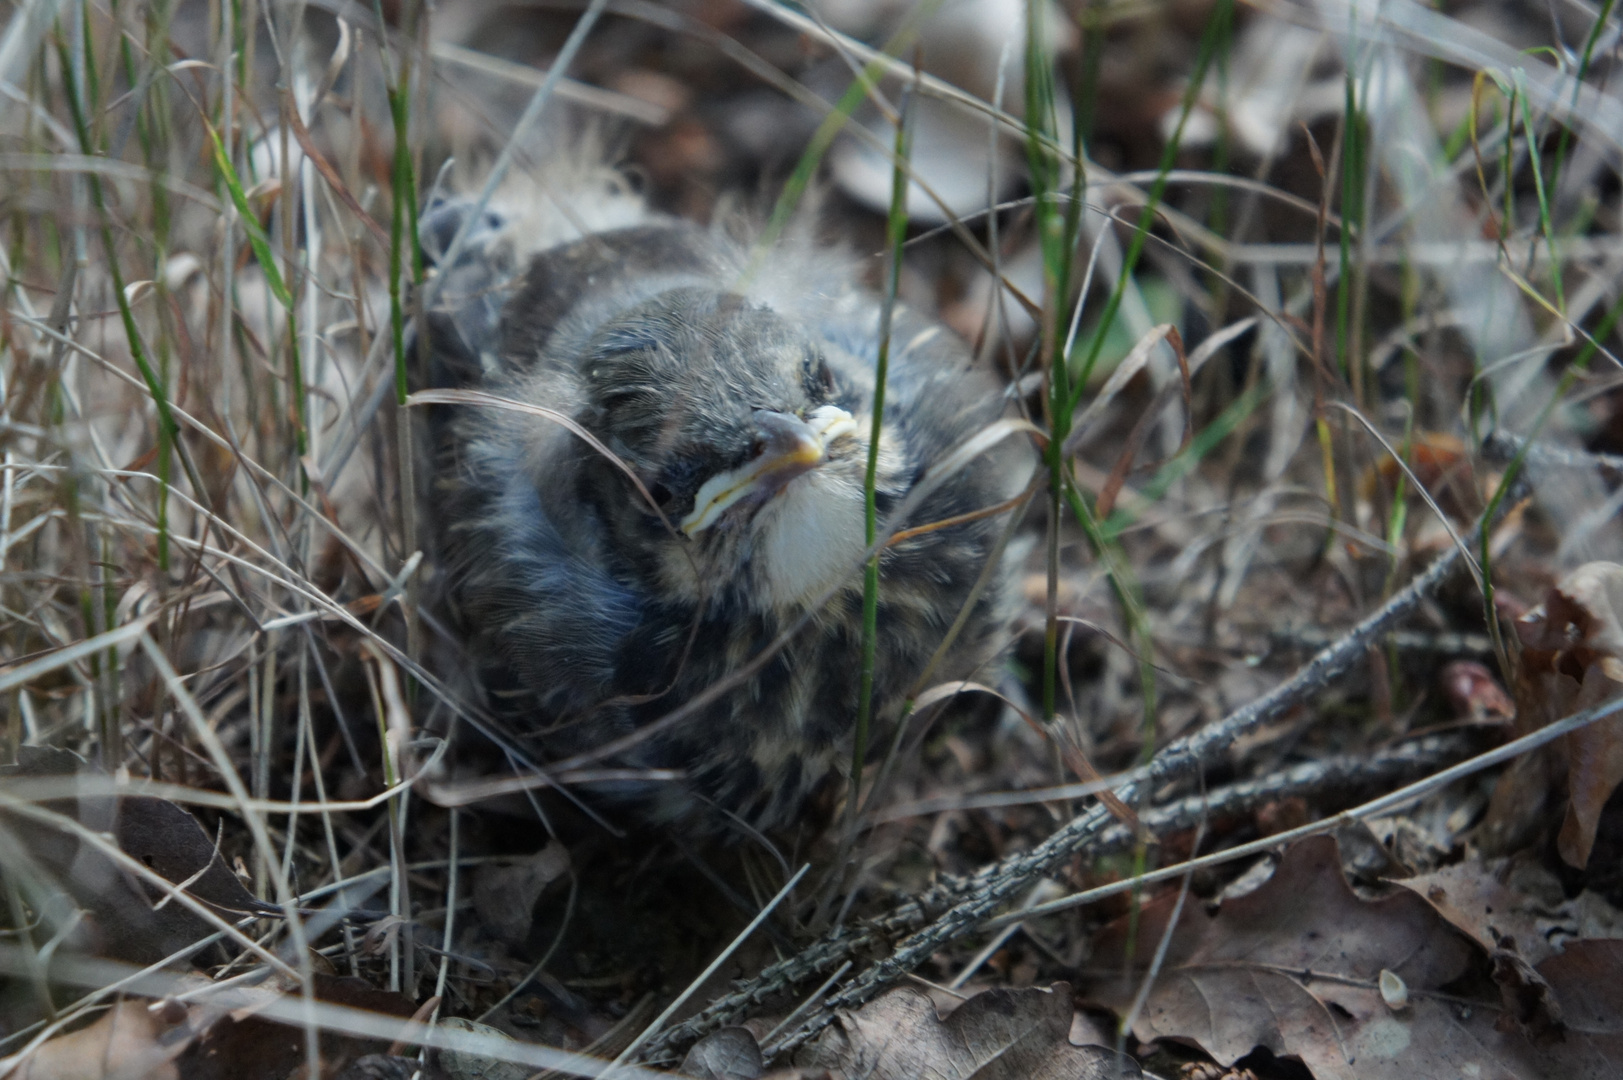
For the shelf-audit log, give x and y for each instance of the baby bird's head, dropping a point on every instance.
(751, 438)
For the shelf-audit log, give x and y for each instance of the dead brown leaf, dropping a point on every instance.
(996, 1035)
(1475, 694)
(131, 1041)
(1471, 896)
(1294, 966)
(1572, 660)
(504, 893)
(127, 918)
(1587, 980)
(1440, 462)
(245, 1046)
(1504, 900)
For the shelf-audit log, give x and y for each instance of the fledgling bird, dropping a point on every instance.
(740, 393)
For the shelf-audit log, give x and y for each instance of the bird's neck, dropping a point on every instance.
(808, 540)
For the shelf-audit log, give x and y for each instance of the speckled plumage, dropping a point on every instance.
(576, 596)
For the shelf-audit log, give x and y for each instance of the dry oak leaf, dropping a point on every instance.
(1505, 900)
(1587, 979)
(1472, 897)
(998, 1034)
(1294, 967)
(504, 893)
(243, 1045)
(1572, 660)
(128, 919)
(131, 1041)
(1441, 463)
(1474, 693)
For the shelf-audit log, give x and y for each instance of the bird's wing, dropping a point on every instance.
(551, 610)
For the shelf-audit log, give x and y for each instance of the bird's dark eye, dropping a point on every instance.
(672, 487)
(817, 377)
(617, 400)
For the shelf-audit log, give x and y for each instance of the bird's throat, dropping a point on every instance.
(809, 539)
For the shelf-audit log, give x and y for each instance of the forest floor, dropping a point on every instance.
(1305, 759)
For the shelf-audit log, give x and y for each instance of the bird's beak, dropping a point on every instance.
(789, 447)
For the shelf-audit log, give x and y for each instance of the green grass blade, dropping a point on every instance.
(1217, 32)
(250, 222)
(1544, 222)
(1584, 60)
(895, 236)
(168, 430)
